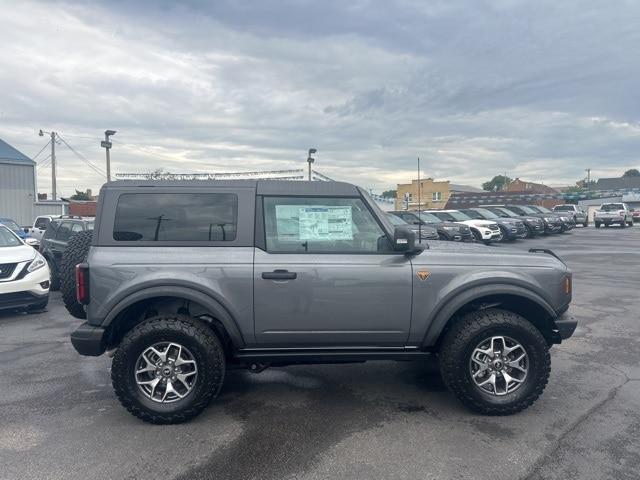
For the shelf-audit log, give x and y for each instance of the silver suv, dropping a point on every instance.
(183, 280)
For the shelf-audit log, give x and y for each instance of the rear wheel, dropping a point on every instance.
(76, 252)
(167, 369)
(495, 362)
(597, 224)
(586, 223)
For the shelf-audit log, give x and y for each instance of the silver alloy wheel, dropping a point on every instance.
(499, 365)
(166, 372)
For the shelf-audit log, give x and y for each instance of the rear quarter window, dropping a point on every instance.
(176, 217)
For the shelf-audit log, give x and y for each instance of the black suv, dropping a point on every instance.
(55, 240)
(446, 230)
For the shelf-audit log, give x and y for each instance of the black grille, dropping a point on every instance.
(494, 227)
(6, 269)
(15, 299)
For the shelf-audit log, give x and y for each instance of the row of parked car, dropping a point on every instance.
(31, 258)
(490, 223)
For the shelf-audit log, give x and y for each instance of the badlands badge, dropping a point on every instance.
(423, 274)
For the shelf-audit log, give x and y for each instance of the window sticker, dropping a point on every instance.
(298, 222)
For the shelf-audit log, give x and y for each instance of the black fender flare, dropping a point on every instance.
(217, 308)
(458, 299)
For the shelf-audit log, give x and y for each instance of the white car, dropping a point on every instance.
(24, 274)
(485, 231)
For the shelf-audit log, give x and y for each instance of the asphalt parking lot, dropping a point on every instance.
(60, 419)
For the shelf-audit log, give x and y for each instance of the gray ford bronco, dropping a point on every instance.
(182, 280)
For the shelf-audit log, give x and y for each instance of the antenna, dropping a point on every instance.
(419, 204)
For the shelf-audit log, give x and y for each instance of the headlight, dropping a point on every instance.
(548, 219)
(36, 263)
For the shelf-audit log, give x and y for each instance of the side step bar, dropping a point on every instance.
(327, 356)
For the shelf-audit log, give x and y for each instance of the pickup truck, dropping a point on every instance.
(180, 281)
(42, 222)
(613, 214)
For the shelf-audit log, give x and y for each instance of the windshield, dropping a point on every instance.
(8, 238)
(486, 214)
(472, 214)
(536, 209)
(459, 216)
(524, 209)
(429, 217)
(395, 220)
(544, 210)
(7, 222)
(608, 207)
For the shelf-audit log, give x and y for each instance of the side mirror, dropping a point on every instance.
(404, 240)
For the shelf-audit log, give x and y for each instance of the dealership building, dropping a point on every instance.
(17, 184)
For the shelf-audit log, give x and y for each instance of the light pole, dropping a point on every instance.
(53, 161)
(106, 144)
(310, 160)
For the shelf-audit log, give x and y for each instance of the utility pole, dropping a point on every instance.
(310, 160)
(419, 204)
(53, 162)
(106, 144)
(588, 170)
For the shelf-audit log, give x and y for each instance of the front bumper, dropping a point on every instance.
(610, 220)
(17, 300)
(553, 227)
(565, 325)
(24, 289)
(89, 340)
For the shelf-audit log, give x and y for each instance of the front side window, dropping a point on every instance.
(176, 217)
(321, 225)
(64, 232)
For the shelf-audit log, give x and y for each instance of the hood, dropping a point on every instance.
(20, 253)
(454, 253)
(479, 223)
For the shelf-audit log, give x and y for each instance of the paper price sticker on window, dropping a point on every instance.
(314, 223)
(325, 223)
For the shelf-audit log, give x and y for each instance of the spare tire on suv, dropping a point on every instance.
(76, 252)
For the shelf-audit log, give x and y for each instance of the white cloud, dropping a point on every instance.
(541, 91)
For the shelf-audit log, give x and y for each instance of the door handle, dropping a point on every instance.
(279, 275)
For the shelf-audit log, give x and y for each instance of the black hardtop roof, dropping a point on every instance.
(263, 187)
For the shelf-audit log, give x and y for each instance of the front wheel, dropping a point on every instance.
(495, 362)
(167, 369)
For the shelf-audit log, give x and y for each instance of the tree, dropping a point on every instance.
(80, 196)
(633, 172)
(390, 194)
(496, 184)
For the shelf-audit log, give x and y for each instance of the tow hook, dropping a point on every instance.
(257, 367)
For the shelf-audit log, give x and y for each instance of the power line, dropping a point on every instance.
(44, 162)
(95, 168)
(41, 150)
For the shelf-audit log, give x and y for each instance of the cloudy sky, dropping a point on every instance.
(537, 89)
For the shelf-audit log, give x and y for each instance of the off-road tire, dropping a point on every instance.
(586, 223)
(76, 252)
(471, 329)
(201, 341)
